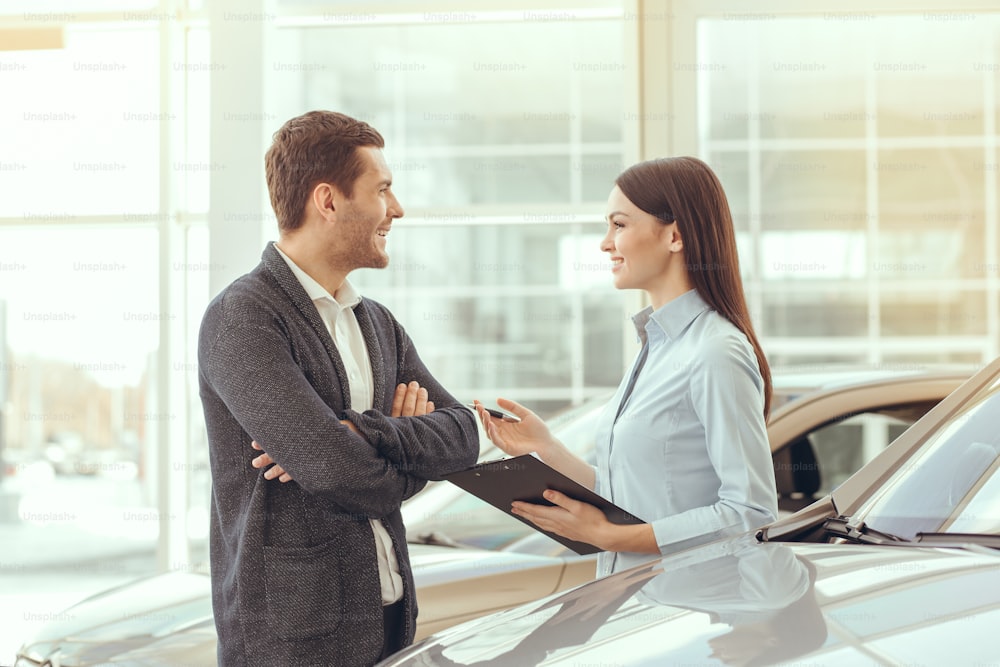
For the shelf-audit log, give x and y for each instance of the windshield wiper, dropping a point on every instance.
(861, 533)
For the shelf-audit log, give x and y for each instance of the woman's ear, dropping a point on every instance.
(676, 242)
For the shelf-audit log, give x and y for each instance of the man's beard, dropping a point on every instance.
(363, 254)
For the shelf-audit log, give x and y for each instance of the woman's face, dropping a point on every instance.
(641, 247)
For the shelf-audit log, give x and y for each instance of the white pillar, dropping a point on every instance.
(236, 217)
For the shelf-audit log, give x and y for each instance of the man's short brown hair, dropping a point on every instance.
(316, 147)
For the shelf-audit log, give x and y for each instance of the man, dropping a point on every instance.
(316, 572)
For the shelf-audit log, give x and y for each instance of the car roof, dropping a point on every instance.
(813, 407)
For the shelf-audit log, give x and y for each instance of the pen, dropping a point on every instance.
(499, 414)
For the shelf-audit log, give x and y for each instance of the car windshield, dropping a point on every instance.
(952, 484)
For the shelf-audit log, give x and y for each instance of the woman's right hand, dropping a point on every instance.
(516, 438)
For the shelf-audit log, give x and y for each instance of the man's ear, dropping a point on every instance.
(323, 200)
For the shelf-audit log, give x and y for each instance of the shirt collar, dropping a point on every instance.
(349, 297)
(673, 317)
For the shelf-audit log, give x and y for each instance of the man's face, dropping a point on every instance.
(363, 220)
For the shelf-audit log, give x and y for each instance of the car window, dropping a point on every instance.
(982, 513)
(842, 447)
(950, 483)
(818, 461)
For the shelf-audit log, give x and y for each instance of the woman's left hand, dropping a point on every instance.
(585, 523)
(569, 518)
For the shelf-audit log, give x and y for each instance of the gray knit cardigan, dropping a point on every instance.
(294, 571)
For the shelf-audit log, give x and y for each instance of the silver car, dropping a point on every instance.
(898, 565)
(818, 437)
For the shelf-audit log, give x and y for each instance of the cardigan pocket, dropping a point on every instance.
(303, 590)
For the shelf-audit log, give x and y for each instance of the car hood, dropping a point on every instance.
(167, 619)
(152, 621)
(740, 602)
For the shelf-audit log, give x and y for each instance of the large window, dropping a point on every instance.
(859, 150)
(503, 159)
(96, 289)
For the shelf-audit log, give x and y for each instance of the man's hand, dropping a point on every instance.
(410, 400)
(265, 460)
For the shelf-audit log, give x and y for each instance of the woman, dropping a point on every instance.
(683, 443)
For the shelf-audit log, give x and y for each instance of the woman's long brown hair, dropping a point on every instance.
(686, 190)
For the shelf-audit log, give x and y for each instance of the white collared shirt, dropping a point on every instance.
(687, 450)
(337, 313)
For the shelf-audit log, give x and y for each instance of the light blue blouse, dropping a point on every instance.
(688, 452)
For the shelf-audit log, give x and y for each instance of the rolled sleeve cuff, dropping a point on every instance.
(705, 524)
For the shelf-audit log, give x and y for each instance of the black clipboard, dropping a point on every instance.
(525, 477)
